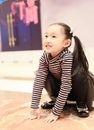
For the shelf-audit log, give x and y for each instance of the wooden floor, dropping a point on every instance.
(15, 107)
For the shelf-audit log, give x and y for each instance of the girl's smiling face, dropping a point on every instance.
(55, 40)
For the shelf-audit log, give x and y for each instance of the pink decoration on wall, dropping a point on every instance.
(26, 14)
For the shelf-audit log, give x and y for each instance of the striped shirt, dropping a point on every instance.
(60, 67)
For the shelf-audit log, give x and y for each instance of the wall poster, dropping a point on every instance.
(20, 25)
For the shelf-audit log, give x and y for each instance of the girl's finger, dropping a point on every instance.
(33, 117)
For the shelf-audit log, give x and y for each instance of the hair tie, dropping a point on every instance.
(72, 33)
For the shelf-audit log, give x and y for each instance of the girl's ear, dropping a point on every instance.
(67, 43)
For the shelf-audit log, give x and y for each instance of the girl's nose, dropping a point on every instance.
(48, 39)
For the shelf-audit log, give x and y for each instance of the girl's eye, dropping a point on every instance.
(53, 36)
(46, 36)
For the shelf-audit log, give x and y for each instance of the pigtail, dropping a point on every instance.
(79, 57)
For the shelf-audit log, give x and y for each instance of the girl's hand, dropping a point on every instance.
(34, 114)
(51, 118)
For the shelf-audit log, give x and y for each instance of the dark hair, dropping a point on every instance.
(79, 57)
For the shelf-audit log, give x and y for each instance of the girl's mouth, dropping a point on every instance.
(48, 46)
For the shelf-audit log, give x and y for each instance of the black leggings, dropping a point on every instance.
(79, 87)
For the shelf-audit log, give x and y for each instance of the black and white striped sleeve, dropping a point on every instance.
(39, 81)
(65, 87)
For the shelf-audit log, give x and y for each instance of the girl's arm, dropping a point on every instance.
(65, 87)
(39, 82)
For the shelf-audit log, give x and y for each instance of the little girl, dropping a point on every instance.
(63, 74)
